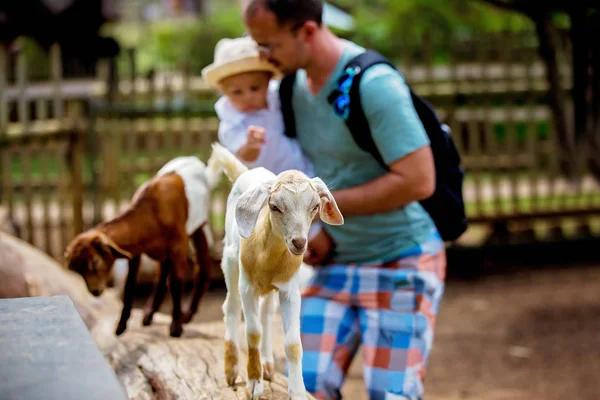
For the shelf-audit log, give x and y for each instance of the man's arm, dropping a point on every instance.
(411, 178)
(403, 143)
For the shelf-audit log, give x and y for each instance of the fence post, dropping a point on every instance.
(77, 150)
(132, 72)
(427, 62)
(24, 124)
(4, 160)
(113, 80)
(56, 73)
(92, 150)
(58, 112)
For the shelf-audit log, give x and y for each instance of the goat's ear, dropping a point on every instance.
(73, 251)
(248, 207)
(108, 245)
(329, 212)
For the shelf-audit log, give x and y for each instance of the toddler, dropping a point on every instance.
(251, 123)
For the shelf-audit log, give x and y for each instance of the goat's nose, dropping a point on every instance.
(299, 243)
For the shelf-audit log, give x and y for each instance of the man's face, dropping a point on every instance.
(284, 46)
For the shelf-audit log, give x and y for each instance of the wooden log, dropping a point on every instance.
(149, 363)
(153, 365)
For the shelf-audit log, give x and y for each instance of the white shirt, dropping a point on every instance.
(280, 152)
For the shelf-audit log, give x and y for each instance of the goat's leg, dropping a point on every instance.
(255, 384)
(202, 279)
(128, 291)
(158, 295)
(290, 312)
(267, 309)
(179, 257)
(232, 309)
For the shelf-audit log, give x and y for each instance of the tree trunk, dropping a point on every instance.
(548, 48)
(593, 135)
(580, 71)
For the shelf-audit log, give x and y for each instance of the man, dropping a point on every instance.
(382, 289)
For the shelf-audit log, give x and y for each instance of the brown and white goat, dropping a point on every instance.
(266, 228)
(165, 212)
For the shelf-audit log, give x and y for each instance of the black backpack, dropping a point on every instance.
(446, 206)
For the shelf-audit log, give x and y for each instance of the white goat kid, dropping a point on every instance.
(266, 229)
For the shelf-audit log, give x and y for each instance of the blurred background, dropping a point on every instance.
(96, 95)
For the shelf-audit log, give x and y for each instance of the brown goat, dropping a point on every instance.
(159, 222)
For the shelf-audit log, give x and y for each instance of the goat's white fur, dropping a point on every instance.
(198, 179)
(250, 222)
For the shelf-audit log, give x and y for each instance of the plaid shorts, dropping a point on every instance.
(388, 308)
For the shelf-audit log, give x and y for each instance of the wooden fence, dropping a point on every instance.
(74, 152)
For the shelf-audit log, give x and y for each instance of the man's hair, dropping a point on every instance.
(294, 12)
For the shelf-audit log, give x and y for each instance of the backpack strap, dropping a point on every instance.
(286, 92)
(356, 120)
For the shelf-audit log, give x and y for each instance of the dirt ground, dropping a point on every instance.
(516, 334)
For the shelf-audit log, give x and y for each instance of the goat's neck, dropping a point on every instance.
(264, 238)
(122, 229)
(265, 255)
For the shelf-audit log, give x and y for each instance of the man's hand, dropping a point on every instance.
(319, 249)
(250, 151)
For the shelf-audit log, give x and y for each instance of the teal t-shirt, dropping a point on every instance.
(340, 163)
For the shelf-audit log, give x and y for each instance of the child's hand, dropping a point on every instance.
(256, 137)
(250, 151)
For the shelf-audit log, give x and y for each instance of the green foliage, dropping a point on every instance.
(36, 58)
(394, 25)
(386, 25)
(172, 43)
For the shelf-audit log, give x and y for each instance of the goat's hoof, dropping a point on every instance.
(254, 389)
(231, 375)
(187, 317)
(176, 330)
(268, 371)
(147, 321)
(120, 329)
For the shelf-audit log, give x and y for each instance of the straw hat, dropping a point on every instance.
(234, 56)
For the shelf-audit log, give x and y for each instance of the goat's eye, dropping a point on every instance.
(274, 208)
(315, 208)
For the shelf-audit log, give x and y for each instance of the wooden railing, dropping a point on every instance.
(73, 152)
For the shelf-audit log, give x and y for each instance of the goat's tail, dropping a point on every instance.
(221, 158)
(212, 172)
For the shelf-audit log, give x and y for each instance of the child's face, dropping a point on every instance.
(247, 91)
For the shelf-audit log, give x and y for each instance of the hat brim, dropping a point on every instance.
(213, 74)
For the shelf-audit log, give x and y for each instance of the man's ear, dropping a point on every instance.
(248, 207)
(310, 28)
(329, 212)
(109, 246)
